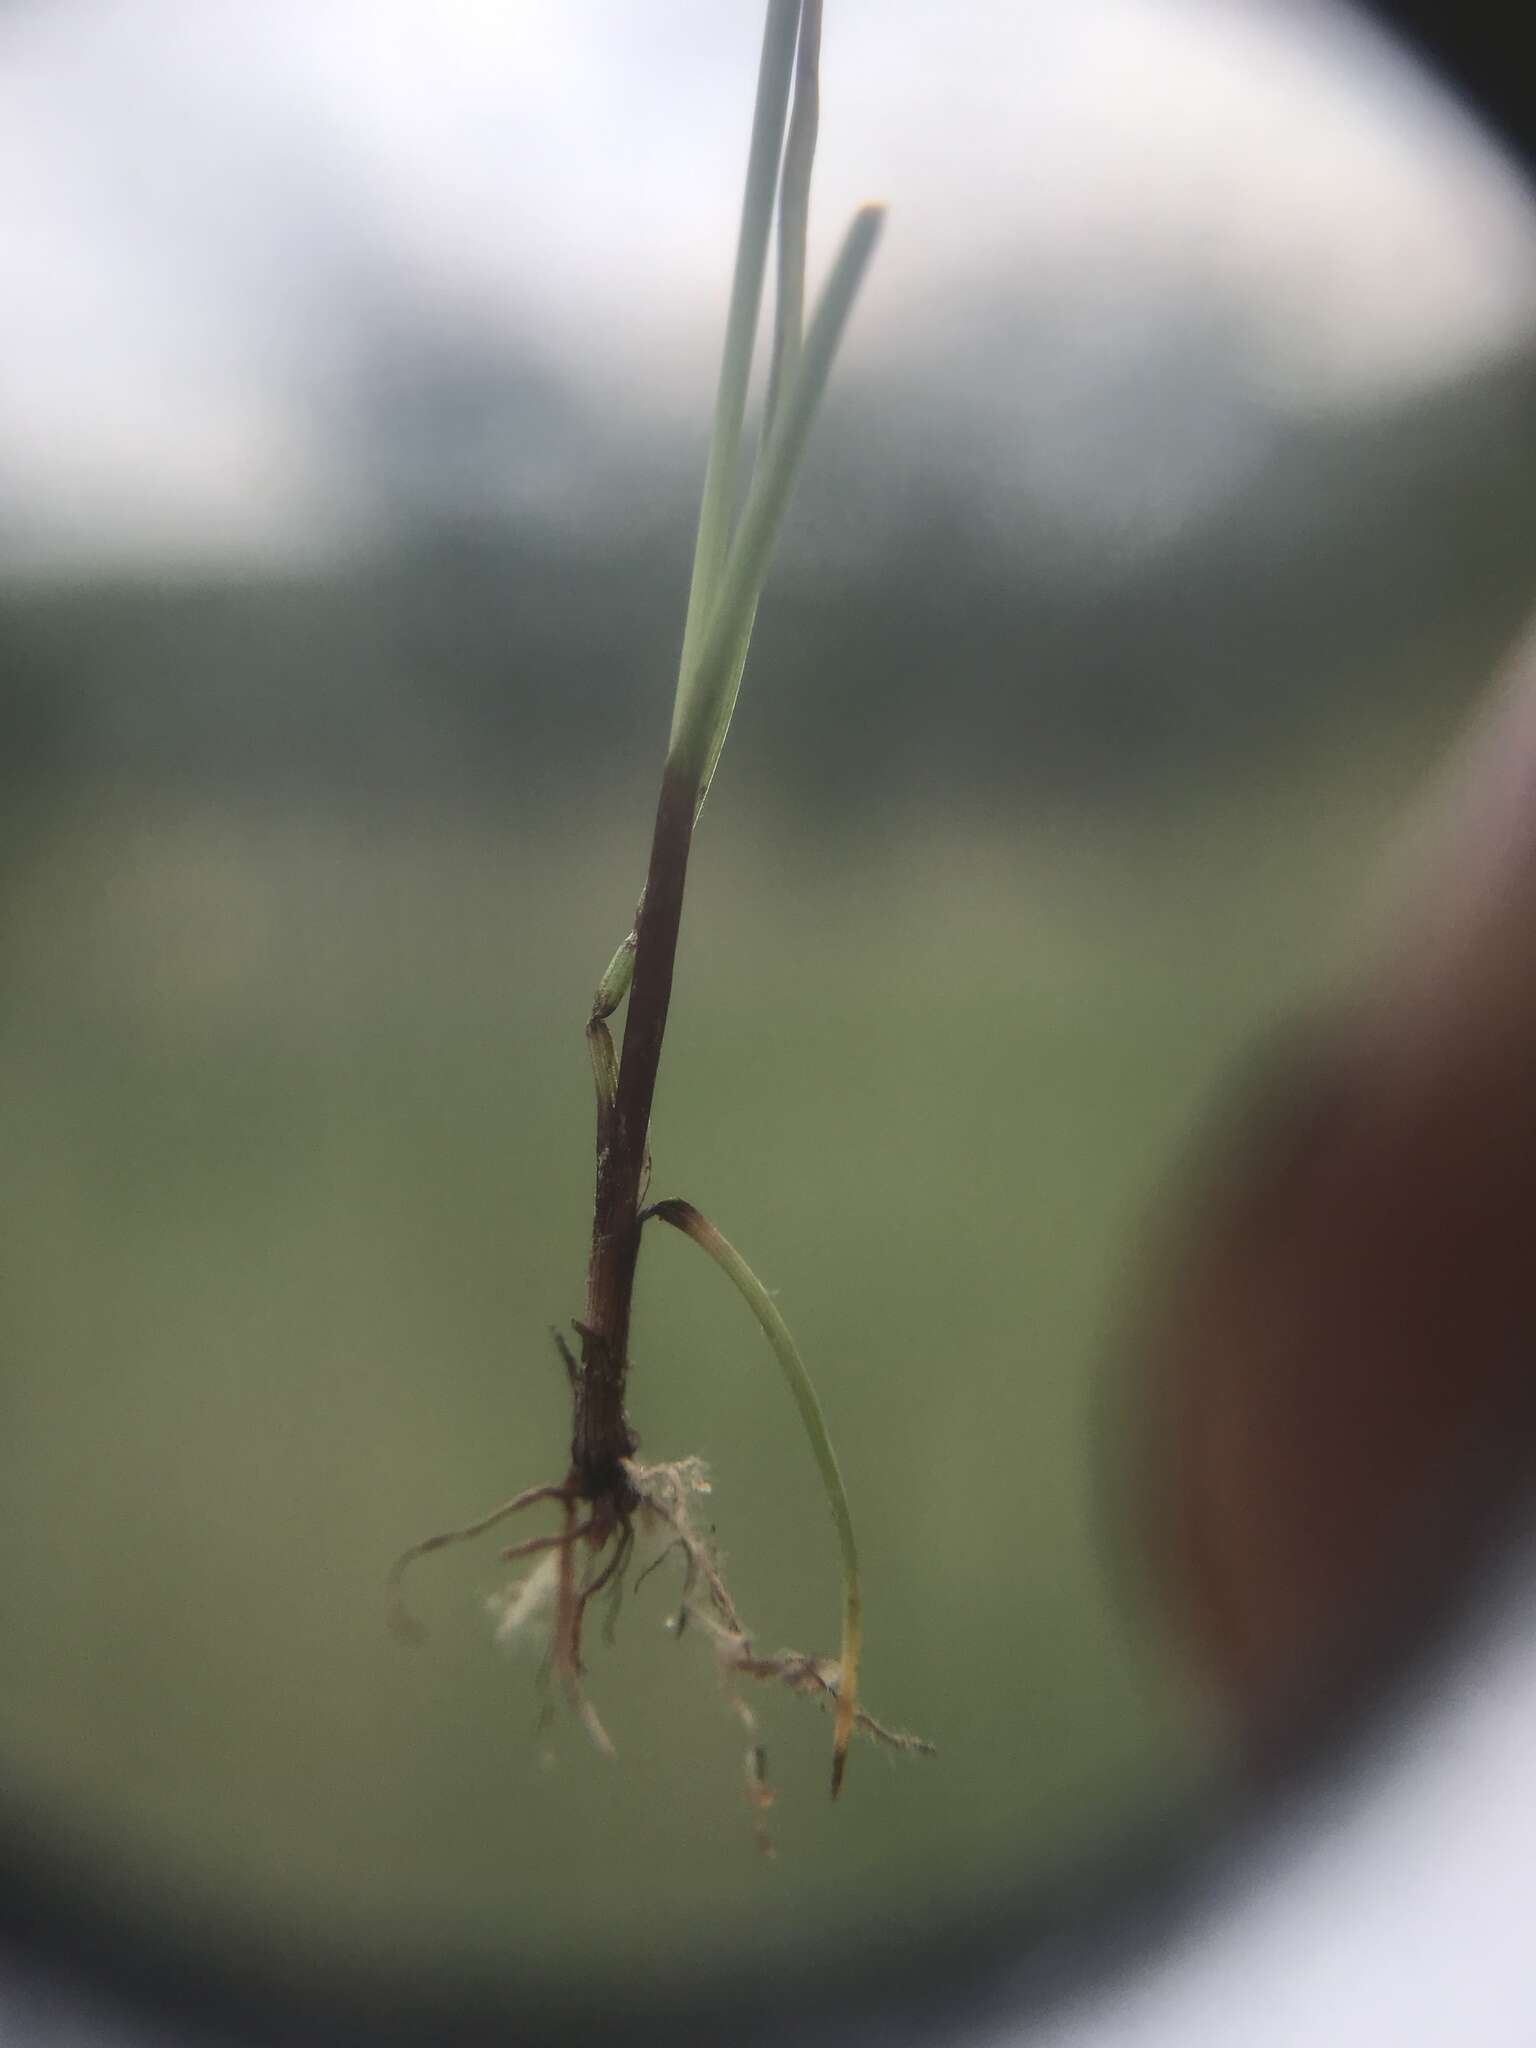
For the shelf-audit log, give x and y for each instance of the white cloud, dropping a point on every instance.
(195, 193)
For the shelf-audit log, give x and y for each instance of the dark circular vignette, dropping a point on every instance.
(1069, 1933)
(1066, 1934)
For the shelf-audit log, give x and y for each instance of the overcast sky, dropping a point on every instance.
(195, 196)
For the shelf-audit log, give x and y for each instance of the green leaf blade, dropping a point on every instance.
(705, 696)
(685, 1217)
(780, 32)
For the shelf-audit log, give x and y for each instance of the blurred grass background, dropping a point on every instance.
(298, 1175)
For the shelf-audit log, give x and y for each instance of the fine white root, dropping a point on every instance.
(593, 1554)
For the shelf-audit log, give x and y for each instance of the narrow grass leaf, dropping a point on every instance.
(719, 496)
(703, 698)
(795, 208)
(685, 1217)
(789, 305)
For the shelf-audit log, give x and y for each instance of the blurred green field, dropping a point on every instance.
(296, 1178)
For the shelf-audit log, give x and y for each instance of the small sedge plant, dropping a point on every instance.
(607, 1501)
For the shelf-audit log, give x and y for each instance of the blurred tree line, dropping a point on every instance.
(513, 623)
